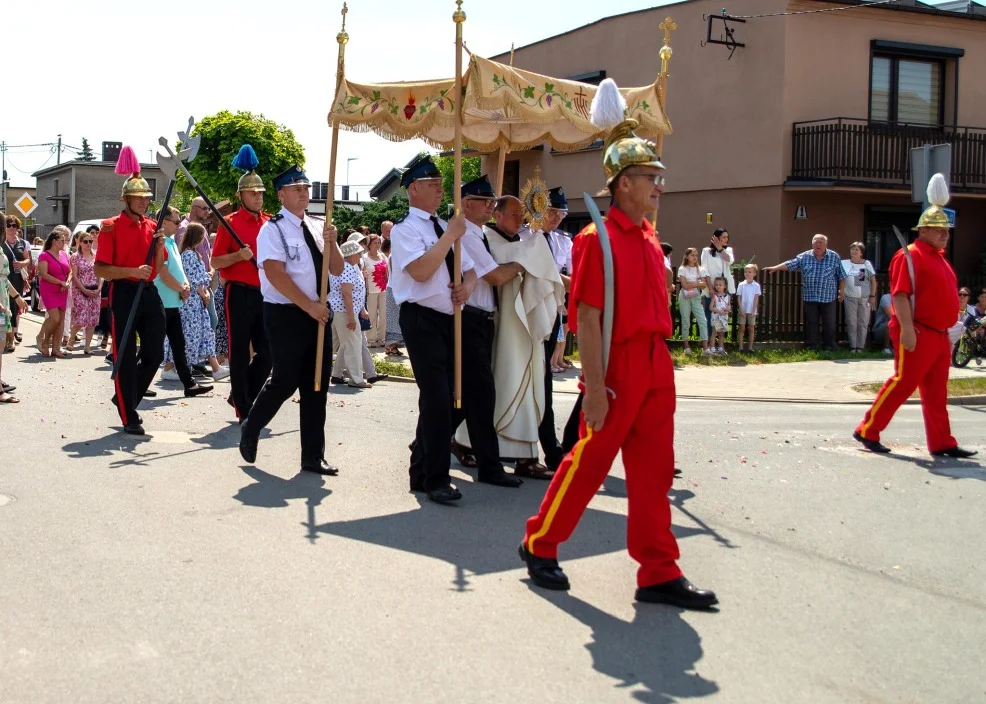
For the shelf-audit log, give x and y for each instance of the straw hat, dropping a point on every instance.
(350, 248)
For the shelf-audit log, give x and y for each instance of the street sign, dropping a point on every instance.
(802, 213)
(26, 204)
(950, 213)
(925, 162)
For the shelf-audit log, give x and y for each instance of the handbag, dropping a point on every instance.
(364, 323)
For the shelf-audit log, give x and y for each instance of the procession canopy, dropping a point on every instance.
(503, 107)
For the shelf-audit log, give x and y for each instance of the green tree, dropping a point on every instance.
(471, 169)
(222, 136)
(85, 154)
(374, 213)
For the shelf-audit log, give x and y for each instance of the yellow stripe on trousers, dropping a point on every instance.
(883, 396)
(560, 496)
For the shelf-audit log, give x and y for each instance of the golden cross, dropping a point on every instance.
(344, 11)
(668, 26)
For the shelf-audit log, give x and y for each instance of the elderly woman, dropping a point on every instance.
(86, 288)
(55, 280)
(9, 297)
(717, 260)
(346, 295)
(860, 295)
(375, 274)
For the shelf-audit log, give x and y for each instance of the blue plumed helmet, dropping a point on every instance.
(246, 160)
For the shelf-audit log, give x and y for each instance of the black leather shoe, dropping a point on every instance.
(133, 429)
(956, 452)
(150, 393)
(320, 467)
(678, 592)
(378, 377)
(871, 445)
(337, 380)
(445, 495)
(197, 390)
(500, 478)
(139, 419)
(544, 571)
(248, 447)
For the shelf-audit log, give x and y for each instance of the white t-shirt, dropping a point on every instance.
(747, 292)
(350, 275)
(369, 265)
(691, 274)
(858, 278)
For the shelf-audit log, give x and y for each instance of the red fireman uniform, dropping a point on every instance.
(926, 367)
(125, 242)
(244, 308)
(640, 420)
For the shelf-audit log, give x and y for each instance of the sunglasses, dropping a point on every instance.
(86, 241)
(963, 295)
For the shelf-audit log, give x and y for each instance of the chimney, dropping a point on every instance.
(111, 151)
(345, 193)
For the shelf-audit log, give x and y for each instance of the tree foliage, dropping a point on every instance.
(85, 154)
(222, 136)
(471, 169)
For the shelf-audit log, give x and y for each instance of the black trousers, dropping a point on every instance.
(824, 312)
(293, 336)
(136, 373)
(245, 324)
(479, 392)
(428, 335)
(546, 431)
(571, 435)
(176, 336)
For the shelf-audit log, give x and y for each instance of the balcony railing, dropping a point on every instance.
(851, 149)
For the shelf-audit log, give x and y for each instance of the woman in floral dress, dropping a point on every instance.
(200, 338)
(86, 288)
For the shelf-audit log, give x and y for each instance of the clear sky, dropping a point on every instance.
(103, 64)
(93, 59)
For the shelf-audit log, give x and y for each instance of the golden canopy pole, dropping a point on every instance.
(342, 38)
(501, 161)
(668, 26)
(458, 17)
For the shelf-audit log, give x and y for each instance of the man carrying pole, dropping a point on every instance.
(124, 244)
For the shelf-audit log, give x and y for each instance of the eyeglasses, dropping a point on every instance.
(655, 179)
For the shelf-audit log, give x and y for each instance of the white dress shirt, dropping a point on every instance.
(719, 266)
(484, 263)
(297, 258)
(410, 239)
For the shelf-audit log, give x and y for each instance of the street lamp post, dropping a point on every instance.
(348, 161)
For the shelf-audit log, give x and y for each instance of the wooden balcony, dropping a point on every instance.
(851, 150)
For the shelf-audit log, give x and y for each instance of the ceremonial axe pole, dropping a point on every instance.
(171, 165)
(189, 153)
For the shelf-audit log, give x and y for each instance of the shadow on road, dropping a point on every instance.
(270, 491)
(657, 650)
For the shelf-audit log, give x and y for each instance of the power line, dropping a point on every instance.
(812, 12)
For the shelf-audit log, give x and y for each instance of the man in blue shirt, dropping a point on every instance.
(823, 281)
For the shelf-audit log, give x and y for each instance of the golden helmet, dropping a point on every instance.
(251, 181)
(136, 186)
(623, 148)
(938, 196)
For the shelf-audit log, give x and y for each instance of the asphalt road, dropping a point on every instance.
(166, 570)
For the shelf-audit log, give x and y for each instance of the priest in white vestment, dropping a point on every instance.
(528, 308)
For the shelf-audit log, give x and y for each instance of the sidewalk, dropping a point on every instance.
(818, 382)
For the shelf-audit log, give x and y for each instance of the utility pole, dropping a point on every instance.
(59, 157)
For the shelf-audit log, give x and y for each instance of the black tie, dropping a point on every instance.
(316, 256)
(547, 236)
(449, 256)
(496, 294)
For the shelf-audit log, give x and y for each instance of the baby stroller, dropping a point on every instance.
(971, 344)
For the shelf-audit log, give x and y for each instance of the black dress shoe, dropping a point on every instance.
(500, 478)
(201, 369)
(133, 429)
(320, 467)
(956, 452)
(150, 394)
(871, 445)
(229, 400)
(248, 447)
(139, 419)
(337, 380)
(544, 571)
(679, 592)
(446, 495)
(197, 390)
(378, 377)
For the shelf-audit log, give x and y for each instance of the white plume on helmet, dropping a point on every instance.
(938, 191)
(608, 106)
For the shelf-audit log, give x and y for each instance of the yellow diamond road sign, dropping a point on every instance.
(26, 204)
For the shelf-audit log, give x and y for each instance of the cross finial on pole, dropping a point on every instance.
(458, 16)
(668, 26)
(345, 9)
